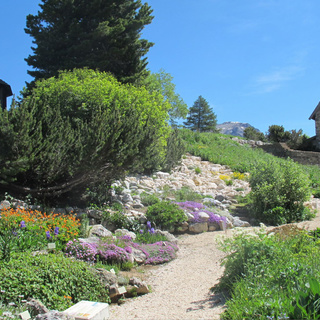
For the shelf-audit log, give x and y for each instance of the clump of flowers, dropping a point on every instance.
(190, 205)
(160, 252)
(63, 227)
(195, 208)
(81, 250)
(112, 254)
(239, 176)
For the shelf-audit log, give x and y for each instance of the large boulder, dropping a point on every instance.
(100, 231)
(198, 227)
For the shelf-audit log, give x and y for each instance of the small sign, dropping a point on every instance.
(51, 246)
(122, 290)
(24, 315)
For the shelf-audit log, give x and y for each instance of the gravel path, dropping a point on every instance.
(181, 288)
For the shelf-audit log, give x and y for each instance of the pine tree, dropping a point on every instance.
(97, 34)
(200, 117)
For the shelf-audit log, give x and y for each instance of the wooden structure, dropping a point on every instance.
(5, 91)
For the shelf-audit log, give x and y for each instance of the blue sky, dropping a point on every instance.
(254, 61)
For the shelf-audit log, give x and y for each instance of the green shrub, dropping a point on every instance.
(266, 275)
(187, 194)
(79, 129)
(165, 215)
(149, 199)
(57, 281)
(279, 190)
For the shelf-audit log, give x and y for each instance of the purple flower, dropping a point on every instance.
(48, 235)
(56, 231)
(149, 225)
(152, 230)
(22, 224)
(141, 231)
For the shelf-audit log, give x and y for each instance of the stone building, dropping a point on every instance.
(316, 117)
(5, 91)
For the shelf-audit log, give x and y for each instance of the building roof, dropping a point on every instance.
(315, 111)
(7, 88)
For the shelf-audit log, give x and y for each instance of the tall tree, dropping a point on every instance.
(162, 82)
(97, 34)
(200, 117)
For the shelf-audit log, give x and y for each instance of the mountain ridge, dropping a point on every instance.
(234, 128)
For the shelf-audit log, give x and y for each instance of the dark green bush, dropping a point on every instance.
(279, 190)
(165, 215)
(79, 129)
(57, 281)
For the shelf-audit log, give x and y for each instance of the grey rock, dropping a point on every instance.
(36, 307)
(141, 286)
(54, 315)
(5, 204)
(107, 278)
(220, 197)
(138, 256)
(89, 240)
(170, 237)
(99, 231)
(203, 216)
(198, 227)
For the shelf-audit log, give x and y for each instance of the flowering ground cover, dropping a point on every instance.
(195, 207)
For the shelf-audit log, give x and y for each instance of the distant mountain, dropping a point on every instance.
(233, 128)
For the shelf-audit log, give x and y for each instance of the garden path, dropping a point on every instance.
(181, 288)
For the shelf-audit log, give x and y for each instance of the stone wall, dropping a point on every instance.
(283, 151)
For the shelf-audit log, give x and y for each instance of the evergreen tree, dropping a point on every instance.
(200, 117)
(97, 34)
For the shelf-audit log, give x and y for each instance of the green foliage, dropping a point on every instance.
(307, 304)
(221, 149)
(197, 170)
(149, 199)
(162, 82)
(148, 237)
(165, 215)
(187, 194)
(277, 134)
(278, 192)
(98, 35)
(266, 275)
(57, 281)
(79, 129)
(251, 133)
(200, 117)
(175, 150)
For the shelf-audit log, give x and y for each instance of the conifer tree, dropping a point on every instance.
(97, 34)
(200, 117)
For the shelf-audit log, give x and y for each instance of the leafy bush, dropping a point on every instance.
(57, 281)
(278, 192)
(266, 275)
(149, 199)
(79, 129)
(187, 194)
(165, 214)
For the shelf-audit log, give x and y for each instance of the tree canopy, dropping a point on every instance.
(200, 117)
(162, 82)
(97, 34)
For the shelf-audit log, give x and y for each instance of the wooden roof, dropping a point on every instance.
(6, 87)
(315, 111)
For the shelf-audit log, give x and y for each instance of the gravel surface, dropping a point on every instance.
(181, 288)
